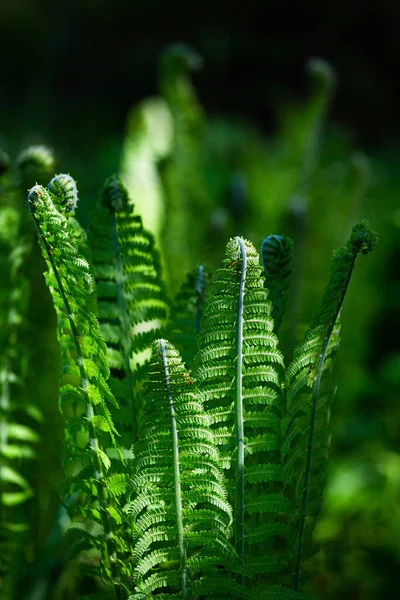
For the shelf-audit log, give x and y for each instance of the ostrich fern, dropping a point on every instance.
(227, 466)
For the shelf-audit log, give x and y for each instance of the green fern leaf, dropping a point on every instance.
(305, 433)
(240, 371)
(89, 427)
(180, 515)
(132, 303)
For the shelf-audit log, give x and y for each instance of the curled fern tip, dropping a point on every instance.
(362, 238)
(114, 194)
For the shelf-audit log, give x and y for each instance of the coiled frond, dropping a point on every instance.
(84, 393)
(180, 514)
(132, 303)
(63, 192)
(240, 372)
(305, 434)
(276, 255)
(186, 314)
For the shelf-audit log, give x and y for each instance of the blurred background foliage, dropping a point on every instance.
(243, 132)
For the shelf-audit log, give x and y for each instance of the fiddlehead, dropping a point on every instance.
(84, 392)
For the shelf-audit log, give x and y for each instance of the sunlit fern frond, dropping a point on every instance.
(240, 372)
(85, 397)
(181, 517)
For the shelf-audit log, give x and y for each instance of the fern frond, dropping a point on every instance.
(89, 428)
(132, 302)
(240, 371)
(276, 254)
(181, 518)
(186, 314)
(305, 433)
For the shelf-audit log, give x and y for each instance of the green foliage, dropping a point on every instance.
(225, 465)
(276, 254)
(181, 519)
(132, 302)
(305, 434)
(186, 313)
(84, 392)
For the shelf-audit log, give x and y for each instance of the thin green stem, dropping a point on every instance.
(239, 425)
(177, 477)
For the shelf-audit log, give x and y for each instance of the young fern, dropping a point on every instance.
(132, 300)
(186, 314)
(240, 373)
(84, 392)
(180, 515)
(276, 254)
(305, 435)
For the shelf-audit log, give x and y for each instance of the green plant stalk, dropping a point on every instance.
(93, 440)
(125, 325)
(200, 296)
(177, 479)
(239, 471)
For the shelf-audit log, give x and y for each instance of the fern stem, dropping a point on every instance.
(177, 478)
(314, 401)
(94, 443)
(125, 325)
(239, 425)
(200, 296)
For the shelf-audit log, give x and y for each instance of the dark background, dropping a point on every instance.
(85, 62)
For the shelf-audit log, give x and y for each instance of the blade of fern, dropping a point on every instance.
(177, 478)
(240, 370)
(132, 305)
(180, 515)
(276, 254)
(186, 314)
(319, 338)
(68, 270)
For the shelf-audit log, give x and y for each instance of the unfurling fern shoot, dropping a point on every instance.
(180, 515)
(305, 435)
(132, 303)
(84, 392)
